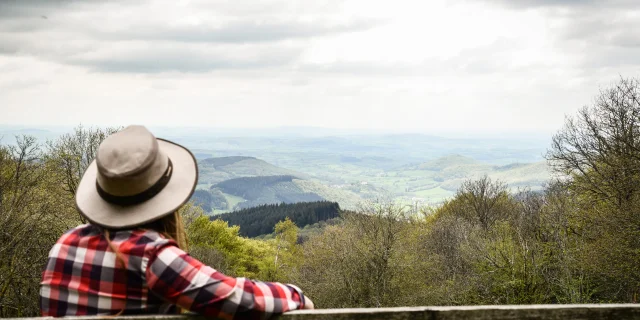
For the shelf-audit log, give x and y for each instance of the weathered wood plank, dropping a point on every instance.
(530, 312)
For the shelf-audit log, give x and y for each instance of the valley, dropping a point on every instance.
(248, 182)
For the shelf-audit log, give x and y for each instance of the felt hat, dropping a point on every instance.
(136, 178)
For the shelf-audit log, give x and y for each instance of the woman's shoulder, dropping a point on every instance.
(133, 236)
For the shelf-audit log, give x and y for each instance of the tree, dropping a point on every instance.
(481, 202)
(216, 244)
(370, 260)
(599, 152)
(73, 152)
(562, 233)
(287, 255)
(34, 212)
(600, 147)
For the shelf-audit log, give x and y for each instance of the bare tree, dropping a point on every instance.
(73, 152)
(33, 214)
(600, 147)
(482, 201)
(598, 150)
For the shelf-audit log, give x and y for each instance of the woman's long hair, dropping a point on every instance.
(169, 226)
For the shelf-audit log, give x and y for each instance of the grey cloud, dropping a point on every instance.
(599, 36)
(188, 60)
(485, 59)
(629, 40)
(613, 58)
(268, 25)
(42, 9)
(368, 68)
(600, 28)
(26, 8)
(562, 3)
(149, 56)
(489, 58)
(74, 32)
(239, 32)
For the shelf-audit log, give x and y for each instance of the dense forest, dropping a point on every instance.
(260, 220)
(576, 241)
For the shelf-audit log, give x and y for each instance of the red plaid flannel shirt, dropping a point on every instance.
(83, 277)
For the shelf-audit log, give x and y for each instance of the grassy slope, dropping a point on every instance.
(437, 180)
(430, 182)
(214, 170)
(232, 201)
(347, 199)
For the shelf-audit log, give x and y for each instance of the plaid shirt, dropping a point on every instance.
(82, 277)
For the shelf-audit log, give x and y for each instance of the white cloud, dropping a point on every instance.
(404, 65)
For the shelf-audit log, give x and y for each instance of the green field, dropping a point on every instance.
(232, 201)
(352, 169)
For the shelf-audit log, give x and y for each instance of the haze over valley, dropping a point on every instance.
(246, 169)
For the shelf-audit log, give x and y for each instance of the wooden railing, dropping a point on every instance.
(571, 311)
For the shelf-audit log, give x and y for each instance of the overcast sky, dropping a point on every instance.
(459, 65)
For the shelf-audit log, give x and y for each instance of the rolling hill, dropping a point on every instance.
(438, 179)
(234, 183)
(265, 190)
(215, 170)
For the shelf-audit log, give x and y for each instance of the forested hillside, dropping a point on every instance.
(260, 220)
(216, 170)
(575, 240)
(234, 183)
(266, 190)
(430, 182)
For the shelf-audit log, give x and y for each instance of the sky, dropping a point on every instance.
(402, 66)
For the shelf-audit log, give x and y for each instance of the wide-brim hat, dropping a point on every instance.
(136, 178)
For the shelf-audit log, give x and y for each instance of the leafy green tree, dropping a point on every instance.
(34, 212)
(482, 202)
(599, 151)
(287, 252)
(369, 260)
(217, 244)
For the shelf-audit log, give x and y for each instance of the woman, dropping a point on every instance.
(130, 259)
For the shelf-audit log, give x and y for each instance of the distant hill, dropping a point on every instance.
(8, 134)
(266, 190)
(261, 220)
(438, 179)
(239, 182)
(454, 160)
(346, 198)
(215, 170)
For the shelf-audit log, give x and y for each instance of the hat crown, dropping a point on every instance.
(127, 152)
(135, 179)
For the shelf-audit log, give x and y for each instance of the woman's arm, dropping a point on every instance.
(191, 285)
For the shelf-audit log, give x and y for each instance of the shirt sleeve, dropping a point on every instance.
(189, 284)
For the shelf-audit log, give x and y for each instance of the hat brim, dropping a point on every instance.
(176, 193)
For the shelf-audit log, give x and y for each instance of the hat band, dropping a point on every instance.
(140, 197)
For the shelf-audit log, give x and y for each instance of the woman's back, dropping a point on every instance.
(84, 276)
(139, 180)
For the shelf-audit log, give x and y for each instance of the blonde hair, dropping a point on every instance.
(169, 226)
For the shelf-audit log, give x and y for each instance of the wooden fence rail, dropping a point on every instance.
(571, 311)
